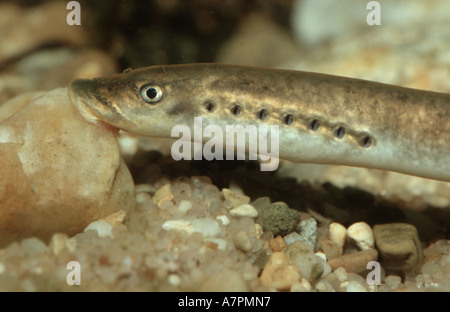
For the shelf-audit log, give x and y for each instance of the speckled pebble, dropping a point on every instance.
(245, 210)
(338, 233)
(279, 272)
(307, 229)
(293, 237)
(301, 286)
(278, 218)
(399, 246)
(354, 262)
(361, 233)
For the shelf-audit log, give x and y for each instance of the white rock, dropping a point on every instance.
(206, 226)
(102, 228)
(338, 233)
(321, 255)
(179, 226)
(361, 233)
(245, 210)
(224, 219)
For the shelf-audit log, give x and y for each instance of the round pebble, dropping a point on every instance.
(338, 233)
(361, 233)
(242, 242)
(245, 210)
(279, 272)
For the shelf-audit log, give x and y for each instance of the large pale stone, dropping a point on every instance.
(58, 173)
(399, 246)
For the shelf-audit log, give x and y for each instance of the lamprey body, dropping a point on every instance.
(322, 119)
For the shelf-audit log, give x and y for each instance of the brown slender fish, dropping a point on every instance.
(322, 118)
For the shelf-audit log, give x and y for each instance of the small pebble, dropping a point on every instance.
(307, 229)
(330, 248)
(184, 206)
(224, 219)
(278, 218)
(311, 266)
(115, 218)
(206, 226)
(293, 237)
(163, 194)
(302, 286)
(102, 228)
(354, 262)
(338, 233)
(242, 242)
(221, 244)
(393, 281)
(33, 246)
(279, 272)
(361, 233)
(324, 286)
(174, 279)
(59, 242)
(245, 210)
(399, 246)
(341, 274)
(234, 198)
(277, 243)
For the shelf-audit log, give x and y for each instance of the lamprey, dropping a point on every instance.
(322, 118)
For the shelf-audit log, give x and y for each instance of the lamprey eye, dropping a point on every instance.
(151, 93)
